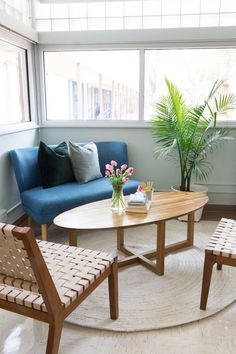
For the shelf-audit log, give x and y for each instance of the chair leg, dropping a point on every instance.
(207, 272)
(44, 232)
(54, 337)
(113, 291)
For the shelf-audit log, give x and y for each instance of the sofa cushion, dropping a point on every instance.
(43, 205)
(55, 165)
(85, 162)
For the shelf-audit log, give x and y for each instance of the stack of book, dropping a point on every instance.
(138, 203)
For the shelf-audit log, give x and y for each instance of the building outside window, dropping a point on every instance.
(92, 85)
(193, 70)
(14, 95)
(104, 85)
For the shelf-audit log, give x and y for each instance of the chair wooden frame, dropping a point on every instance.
(56, 312)
(221, 249)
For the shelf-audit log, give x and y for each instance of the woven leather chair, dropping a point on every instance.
(47, 281)
(221, 249)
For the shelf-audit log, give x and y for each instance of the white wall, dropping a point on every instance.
(9, 196)
(221, 182)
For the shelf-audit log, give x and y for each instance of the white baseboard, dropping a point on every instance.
(14, 213)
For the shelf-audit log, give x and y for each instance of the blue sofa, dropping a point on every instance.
(43, 205)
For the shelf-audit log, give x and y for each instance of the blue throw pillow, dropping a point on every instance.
(54, 164)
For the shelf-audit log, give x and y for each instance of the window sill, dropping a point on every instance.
(114, 124)
(95, 124)
(14, 128)
(227, 124)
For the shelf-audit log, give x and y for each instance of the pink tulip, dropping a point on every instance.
(140, 188)
(125, 179)
(107, 173)
(130, 171)
(123, 167)
(109, 168)
(118, 171)
(114, 163)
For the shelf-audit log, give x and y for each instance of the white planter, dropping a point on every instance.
(194, 188)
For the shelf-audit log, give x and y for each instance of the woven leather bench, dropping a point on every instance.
(47, 281)
(221, 249)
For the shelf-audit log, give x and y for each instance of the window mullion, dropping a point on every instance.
(141, 83)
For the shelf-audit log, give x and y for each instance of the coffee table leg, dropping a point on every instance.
(160, 256)
(73, 237)
(120, 239)
(190, 228)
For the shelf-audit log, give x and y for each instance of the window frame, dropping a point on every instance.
(161, 44)
(28, 46)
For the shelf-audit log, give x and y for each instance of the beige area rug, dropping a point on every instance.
(148, 301)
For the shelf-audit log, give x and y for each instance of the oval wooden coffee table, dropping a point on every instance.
(165, 206)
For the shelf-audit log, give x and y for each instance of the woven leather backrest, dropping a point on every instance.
(14, 261)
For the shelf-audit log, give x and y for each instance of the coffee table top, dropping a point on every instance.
(98, 215)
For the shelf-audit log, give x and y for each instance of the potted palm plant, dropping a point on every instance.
(187, 133)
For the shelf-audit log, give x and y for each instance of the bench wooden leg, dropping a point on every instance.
(44, 231)
(113, 291)
(54, 337)
(207, 272)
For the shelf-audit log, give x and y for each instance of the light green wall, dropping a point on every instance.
(221, 182)
(9, 196)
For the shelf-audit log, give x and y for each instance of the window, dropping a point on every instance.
(71, 15)
(19, 9)
(92, 85)
(14, 96)
(193, 70)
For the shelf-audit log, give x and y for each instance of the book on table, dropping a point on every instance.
(138, 203)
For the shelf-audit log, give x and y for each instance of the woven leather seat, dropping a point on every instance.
(47, 281)
(221, 249)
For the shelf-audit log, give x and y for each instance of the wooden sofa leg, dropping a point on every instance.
(44, 232)
(219, 266)
(54, 337)
(113, 291)
(29, 222)
(73, 238)
(206, 280)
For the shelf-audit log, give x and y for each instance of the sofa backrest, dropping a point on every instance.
(25, 161)
(111, 150)
(25, 164)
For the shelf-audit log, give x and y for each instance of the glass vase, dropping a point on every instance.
(117, 201)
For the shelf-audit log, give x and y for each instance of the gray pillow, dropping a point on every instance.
(85, 162)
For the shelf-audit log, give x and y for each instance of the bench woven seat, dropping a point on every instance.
(223, 241)
(221, 249)
(47, 281)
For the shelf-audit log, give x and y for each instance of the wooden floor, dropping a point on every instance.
(215, 335)
(216, 212)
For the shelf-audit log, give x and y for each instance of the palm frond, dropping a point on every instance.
(187, 133)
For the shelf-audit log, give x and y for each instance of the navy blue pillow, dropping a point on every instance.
(54, 164)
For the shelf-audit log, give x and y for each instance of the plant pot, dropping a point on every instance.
(194, 188)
